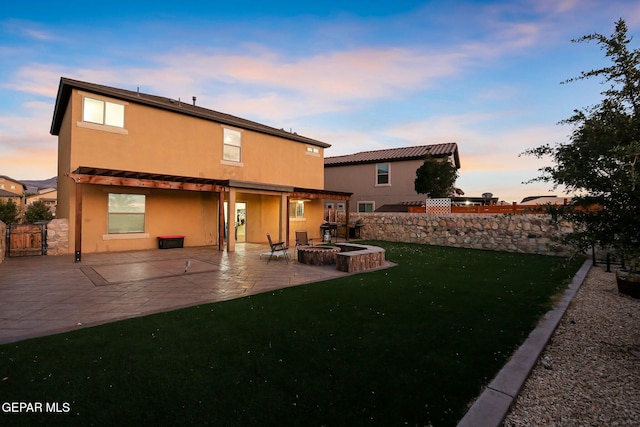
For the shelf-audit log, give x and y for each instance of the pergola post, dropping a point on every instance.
(231, 221)
(346, 220)
(78, 224)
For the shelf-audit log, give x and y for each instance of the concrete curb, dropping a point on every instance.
(493, 404)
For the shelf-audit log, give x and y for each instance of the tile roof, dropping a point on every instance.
(396, 154)
(177, 106)
(5, 193)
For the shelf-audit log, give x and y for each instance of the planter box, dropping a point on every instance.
(628, 283)
(169, 242)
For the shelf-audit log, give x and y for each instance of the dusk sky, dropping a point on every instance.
(359, 75)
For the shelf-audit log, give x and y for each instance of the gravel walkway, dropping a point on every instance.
(589, 373)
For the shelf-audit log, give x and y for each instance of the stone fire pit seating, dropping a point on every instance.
(349, 258)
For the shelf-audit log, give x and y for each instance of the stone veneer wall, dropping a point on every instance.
(58, 237)
(3, 240)
(525, 233)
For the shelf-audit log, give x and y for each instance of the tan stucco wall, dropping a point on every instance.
(313, 212)
(65, 184)
(361, 181)
(169, 143)
(192, 214)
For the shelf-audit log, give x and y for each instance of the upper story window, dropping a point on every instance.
(232, 145)
(313, 151)
(102, 112)
(382, 174)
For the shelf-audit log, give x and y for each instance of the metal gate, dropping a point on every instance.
(27, 239)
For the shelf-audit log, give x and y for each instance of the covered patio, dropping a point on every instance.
(266, 207)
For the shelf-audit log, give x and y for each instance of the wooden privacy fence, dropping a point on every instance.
(488, 209)
(27, 239)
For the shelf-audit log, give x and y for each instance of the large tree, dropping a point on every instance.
(600, 161)
(436, 178)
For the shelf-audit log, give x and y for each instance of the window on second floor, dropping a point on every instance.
(102, 112)
(232, 145)
(313, 151)
(382, 174)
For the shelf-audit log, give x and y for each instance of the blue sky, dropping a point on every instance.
(360, 75)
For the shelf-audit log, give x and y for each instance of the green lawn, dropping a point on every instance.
(409, 345)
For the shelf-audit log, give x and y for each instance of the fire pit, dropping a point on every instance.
(317, 255)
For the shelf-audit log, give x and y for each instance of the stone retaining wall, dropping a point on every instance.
(525, 233)
(3, 240)
(58, 237)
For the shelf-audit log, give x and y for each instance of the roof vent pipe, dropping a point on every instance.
(194, 101)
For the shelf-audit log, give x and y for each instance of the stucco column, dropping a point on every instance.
(221, 221)
(231, 221)
(284, 218)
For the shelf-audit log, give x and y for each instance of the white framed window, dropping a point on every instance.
(232, 145)
(102, 112)
(366, 206)
(126, 213)
(296, 209)
(313, 151)
(383, 174)
(340, 207)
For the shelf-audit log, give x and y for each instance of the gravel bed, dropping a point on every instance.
(589, 373)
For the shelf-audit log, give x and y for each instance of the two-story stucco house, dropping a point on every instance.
(133, 167)
(382, 177)
(13, 190)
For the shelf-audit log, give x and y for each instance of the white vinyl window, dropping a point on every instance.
(232, 146)
(296, 209)
(366, 206)
(313, 151)
(102, 112)
(382, 174)
(126, 213)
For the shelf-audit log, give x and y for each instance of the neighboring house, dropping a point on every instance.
(382, 177)
(49, 196)
(10, 189)
(133, 167)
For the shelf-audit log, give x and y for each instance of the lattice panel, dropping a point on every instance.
(438, 206)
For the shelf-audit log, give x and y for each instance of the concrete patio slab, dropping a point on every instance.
(51, 294)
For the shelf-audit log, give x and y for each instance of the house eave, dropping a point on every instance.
(67, 85)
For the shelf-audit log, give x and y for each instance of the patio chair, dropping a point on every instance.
(302, 239)
(278, 249)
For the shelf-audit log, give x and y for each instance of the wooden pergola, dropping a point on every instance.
(110, 177)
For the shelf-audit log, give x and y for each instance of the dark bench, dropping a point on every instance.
(171, 241)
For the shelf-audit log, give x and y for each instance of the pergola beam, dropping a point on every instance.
(145, 183)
